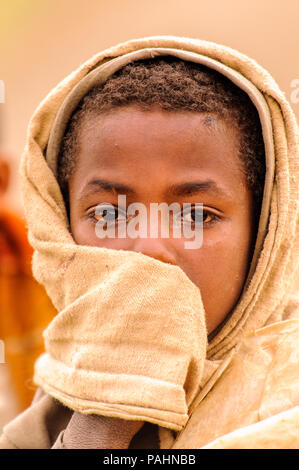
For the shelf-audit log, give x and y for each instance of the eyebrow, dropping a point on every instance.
(194, 187)
(96, 185)
(183, 189)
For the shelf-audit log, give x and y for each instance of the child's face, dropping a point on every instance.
(151, 152)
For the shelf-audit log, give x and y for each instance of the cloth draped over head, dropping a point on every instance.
(130, 339)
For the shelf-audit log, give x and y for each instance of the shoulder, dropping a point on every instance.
(276, 432)
(276, 347)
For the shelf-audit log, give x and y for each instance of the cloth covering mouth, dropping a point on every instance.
(130, 338)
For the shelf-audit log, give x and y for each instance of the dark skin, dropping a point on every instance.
(149, 151)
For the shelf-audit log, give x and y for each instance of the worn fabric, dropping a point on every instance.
(243, 384)
(45, 421)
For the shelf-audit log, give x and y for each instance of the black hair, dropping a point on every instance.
(172, 84)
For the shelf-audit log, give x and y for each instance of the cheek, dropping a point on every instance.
(84, 233)
(219, 269)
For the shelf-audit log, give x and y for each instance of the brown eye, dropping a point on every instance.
(107, 214)
(207, 217)
(193, 215)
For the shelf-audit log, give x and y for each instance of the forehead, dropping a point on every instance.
(157, 148)
(130, 137)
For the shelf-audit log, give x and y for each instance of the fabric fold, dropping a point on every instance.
(123, 347)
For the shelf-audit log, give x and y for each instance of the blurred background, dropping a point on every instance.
(43, 41)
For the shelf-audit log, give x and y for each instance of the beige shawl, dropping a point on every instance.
(130, 340)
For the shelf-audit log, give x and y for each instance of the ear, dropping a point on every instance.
(4, 176)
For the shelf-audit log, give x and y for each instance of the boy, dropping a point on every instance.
(164, 120)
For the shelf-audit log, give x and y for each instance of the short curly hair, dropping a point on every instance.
(171, 84)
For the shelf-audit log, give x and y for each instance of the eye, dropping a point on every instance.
(106, 213)
(197, 214)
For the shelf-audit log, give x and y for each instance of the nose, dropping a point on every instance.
(155, 248)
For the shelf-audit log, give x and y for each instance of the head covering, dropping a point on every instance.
(96, 365)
